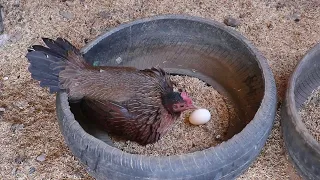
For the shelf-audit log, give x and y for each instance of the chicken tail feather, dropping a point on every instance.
(47, 62)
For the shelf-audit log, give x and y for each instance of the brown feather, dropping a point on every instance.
(125, 102)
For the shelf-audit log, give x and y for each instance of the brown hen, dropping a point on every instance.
(139, 105)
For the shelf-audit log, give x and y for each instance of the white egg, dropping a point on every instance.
(199, 116)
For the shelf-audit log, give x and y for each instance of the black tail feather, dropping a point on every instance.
(48, 51)
(54, 46)
(47, 63)
(60, 45)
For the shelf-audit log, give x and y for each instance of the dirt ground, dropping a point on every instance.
(31, 144)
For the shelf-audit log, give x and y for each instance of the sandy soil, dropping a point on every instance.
(310, 114)
(283, 31)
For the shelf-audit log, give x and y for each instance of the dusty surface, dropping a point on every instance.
(185, 137)
(310, 114)
(283, 30)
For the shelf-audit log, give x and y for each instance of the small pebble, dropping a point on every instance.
(104, 29)
(21, 104)
(230, 21)
(15, 37)
(69, 3)
(2, 109)
(5, 78)
(32, 170)
(218, 136)
(295, 17)
(16, 3)
(19, 159)
(269, 25)
(78, 175)
(14, 171)
(104, 14)
(4, 38)
(280, 5)
(66, 14)
(41, 158)
(16, 127)
(93, 30)
(243, 15)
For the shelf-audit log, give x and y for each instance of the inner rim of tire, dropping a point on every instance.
(198, 49)
(306, 77)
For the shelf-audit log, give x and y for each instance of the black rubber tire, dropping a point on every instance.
(302, 148)
(256, 96)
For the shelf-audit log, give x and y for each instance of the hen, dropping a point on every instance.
(139, 105)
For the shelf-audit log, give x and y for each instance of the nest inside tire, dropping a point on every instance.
(302, 147)
(188, 46)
